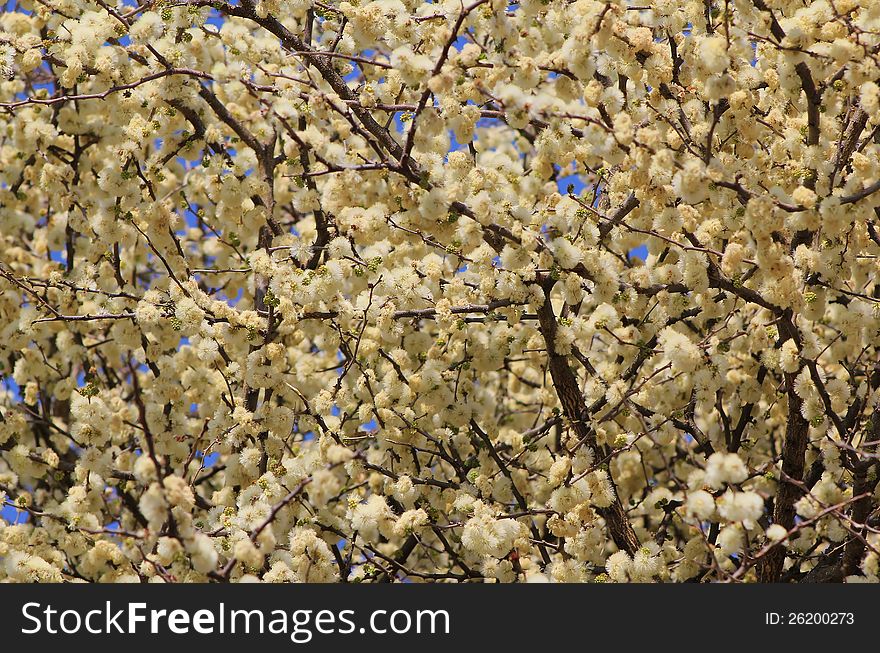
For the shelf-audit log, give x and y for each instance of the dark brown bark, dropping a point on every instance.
(575, 409)
(793, 450)
(855, 547)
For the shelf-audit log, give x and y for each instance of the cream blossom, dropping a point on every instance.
(535, 292)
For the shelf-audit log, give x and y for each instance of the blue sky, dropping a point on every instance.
(13, 516)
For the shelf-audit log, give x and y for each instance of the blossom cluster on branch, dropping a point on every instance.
(320, 291)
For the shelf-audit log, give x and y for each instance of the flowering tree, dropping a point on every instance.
(297, 291)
